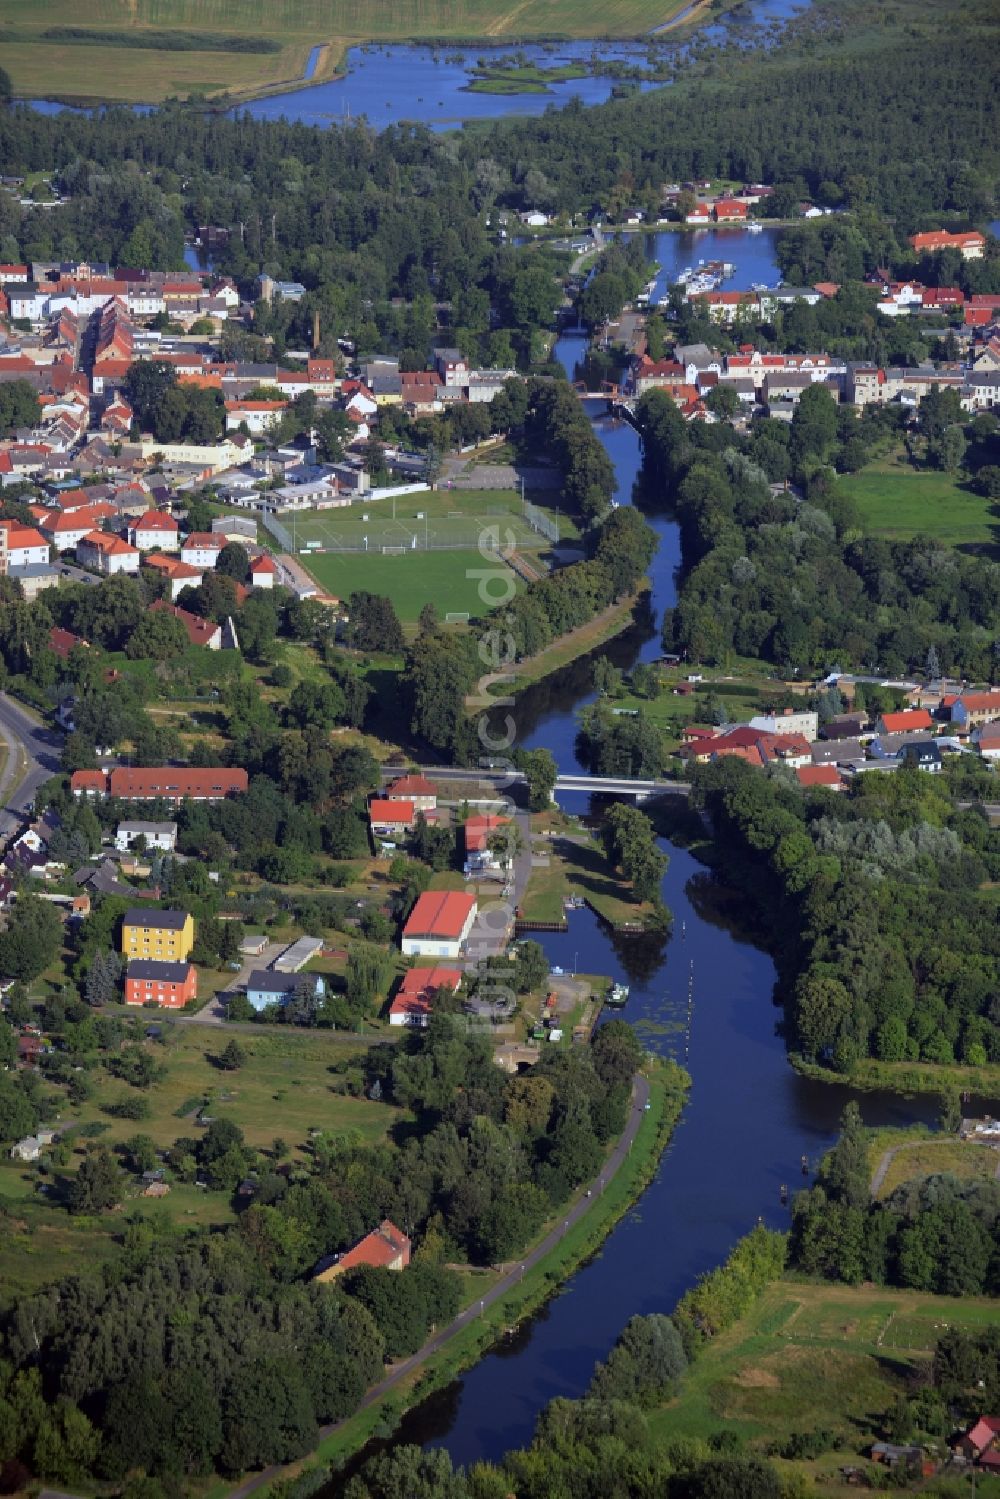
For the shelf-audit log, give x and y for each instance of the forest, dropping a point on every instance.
(795, 581)
(886, 944)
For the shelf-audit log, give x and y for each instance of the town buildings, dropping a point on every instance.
(167, 936)
(439, 924)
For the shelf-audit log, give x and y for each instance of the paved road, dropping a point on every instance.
(640, 1097)
(33, 757)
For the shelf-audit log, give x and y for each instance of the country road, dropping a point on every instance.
(398, 1372)
(33, 757)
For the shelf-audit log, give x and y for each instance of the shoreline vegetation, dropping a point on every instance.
(668, 1090)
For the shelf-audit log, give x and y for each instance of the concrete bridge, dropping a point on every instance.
(500, 780)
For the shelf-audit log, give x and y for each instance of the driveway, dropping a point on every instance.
(512, 1278)
(214, 1013)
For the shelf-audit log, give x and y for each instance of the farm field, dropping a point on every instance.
(811, 1356)
(900, 502)
(59, 68)
(412, 579)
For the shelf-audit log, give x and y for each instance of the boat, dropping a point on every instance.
(617, 997)
(755, 228)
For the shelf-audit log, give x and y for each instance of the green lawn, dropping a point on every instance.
(814, 1355)
(899, 501)
(40, 66)
(451, 580)
(964, 1159)
(458, 517)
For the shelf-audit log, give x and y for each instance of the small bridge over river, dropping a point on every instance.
(497, 780)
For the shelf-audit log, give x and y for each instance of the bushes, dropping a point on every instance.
(724, 1295)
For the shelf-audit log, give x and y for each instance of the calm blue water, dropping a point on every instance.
(388, 84)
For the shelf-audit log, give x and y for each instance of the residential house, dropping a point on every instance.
(159, 835)
(107, 554)
(970, 710)
(263, 571)
(161, 783)
(164, 935)
(909, 720)
(827, 776)
(387, 1248)
(201, 549)
(167, 984)
(180, 575)
(981, 1438)
(25, 546)
(414, 999)
(789, 721)
(390, 819)
(156, 531)
(970, 244)
(28, 1149)
(478, 832)
(730, 210)
(416, 789)
(203, 632)
(439, 924)
(34, 578)
(65, 531)
(452, 366)
(987, 742)
(844, 726)
(255, 416)
(922, 754)
(267, 986)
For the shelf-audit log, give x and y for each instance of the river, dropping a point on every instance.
(749, 1120)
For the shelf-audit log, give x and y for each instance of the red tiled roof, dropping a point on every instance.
(88, 780)
(380, 810)
(439, 913)
(419, 987)
(819, 775)
(175, 781)
(205, 540)
(263, 564)
(62, 642)
(173, 567)
(111, 546)
(411, 786)
(199, 631)
(380, 1248)
(477, 831)
(155, 520)
(978, 700)
(909, 718)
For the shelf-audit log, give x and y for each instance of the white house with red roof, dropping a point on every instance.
(414, 999)
(263, 571)
(256, 416)
(416, 789)
(156, 531)
(180, 575)
(203, 632)
(117, 417)
(66, 531)
(202, 548)
(390, 819)
(107, 554)
(387, 1248)
(439, 924)
(25, 546)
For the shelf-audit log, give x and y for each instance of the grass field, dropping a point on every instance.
(814, 1355)
(64, 69)
(286, 1087)
(899, 501)
(448, 579)
(484, 517)
(960, 1158)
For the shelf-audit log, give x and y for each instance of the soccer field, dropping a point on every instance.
(484, 519)
(449, 580)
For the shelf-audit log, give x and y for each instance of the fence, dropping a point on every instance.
(281, 535)
(545, 525)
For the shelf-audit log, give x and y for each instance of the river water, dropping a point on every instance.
(750, 1118)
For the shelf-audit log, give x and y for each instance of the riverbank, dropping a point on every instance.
(577, 867)
(869, 1076)
(566, 649)
(526, 1286)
